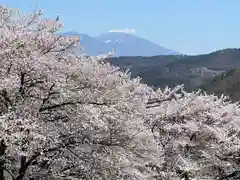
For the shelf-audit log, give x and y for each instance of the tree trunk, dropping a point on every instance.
(2, 161)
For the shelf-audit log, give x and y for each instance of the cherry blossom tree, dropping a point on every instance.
(72, 117)
(198, 133)
(64, 116)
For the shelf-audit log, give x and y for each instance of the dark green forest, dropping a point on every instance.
(216, 72)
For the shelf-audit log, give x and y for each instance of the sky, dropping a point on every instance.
(187, 26)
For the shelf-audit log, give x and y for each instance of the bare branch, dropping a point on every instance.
(51, 107)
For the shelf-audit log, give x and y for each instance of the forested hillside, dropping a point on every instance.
(192, 71)
(228, 83)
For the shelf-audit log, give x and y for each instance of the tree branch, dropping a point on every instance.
(22, 78)
(51, 107)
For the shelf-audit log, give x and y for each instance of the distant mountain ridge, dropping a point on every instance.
(123, 44)
(171, 70)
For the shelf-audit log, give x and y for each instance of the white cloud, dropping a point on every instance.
(126, 30)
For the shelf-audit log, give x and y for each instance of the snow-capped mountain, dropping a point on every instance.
(123, 44)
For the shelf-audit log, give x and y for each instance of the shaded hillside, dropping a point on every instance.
(192, 71)
(228, 83)
(219, 60)
(152, 69)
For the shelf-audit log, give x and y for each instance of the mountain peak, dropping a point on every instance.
(124, 44)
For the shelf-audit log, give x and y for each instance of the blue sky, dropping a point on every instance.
(187, 26)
